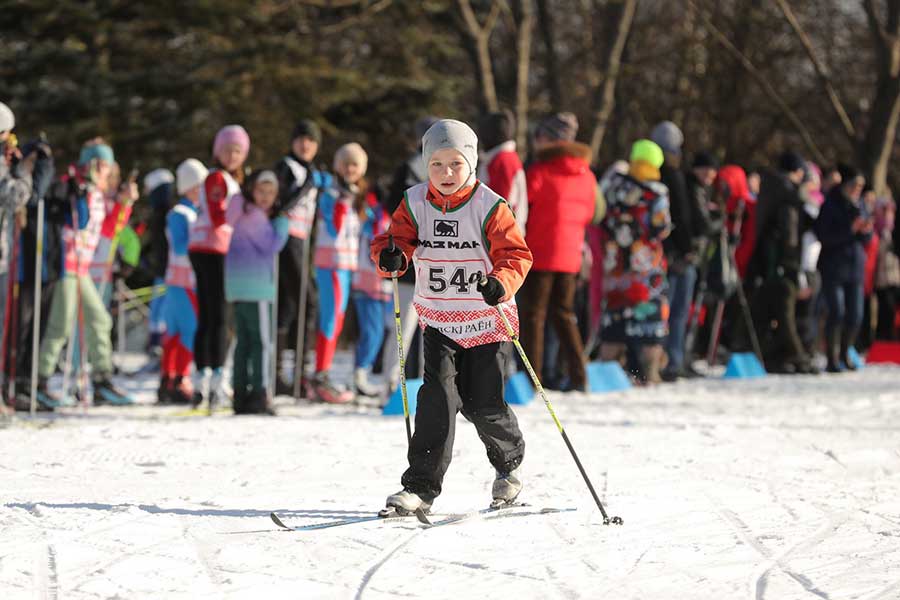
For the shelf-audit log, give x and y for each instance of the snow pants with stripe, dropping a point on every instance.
(179, 313)
(334, 294)
(252, 354)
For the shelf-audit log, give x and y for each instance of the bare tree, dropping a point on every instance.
(606, 93)
(763, 82)
(524, 25)
(551, 62)
(878, 140)
(481, 35)
(821, 69)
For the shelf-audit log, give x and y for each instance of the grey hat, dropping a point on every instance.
(562, 126)
(668, 136)
(448, 133)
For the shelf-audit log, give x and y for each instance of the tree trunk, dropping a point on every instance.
(763, 83)
(525, 22)
(606, 96)
(481, 35)
(878, 141)
(551, 64)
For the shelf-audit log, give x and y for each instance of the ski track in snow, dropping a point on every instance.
(770, 489)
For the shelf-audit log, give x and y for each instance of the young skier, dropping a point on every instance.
(76, 293)
(458, 231)
(259, 235)
(209, 240)
(119, 202)
(337, 248)
(179, 307)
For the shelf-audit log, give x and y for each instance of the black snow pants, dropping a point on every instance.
(467, 380)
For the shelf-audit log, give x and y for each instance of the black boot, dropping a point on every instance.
(181, 391)
(832, 350)
(162, 392)
(107, 393)
(847, 341)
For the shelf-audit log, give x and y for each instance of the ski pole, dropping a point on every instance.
(397, 322)
(14, 318)
(537, 384)
(38, 288)
(272, 375)
(301, 321)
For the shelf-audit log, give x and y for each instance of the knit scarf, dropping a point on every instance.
(643, 171)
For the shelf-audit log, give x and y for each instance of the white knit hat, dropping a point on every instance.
(352, 152)
(7, 118)
(156, 178)
(448, 133)
(190, 174)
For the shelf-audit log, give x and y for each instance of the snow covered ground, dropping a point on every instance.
(776, 488)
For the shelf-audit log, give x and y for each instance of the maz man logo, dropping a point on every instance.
(446, 228)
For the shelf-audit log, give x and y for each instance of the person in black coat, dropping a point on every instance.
(776, 262)
(844, 228)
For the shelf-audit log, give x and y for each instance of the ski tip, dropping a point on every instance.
(275, 519)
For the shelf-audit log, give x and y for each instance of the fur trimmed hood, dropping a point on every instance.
(564, 149)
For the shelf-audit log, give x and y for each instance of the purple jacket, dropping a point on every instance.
(255, 244)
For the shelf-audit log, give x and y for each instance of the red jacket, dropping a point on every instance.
(501, 170)
(562, 202)
(732, 183)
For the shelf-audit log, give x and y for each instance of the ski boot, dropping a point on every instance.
(46, 401)
(506, 488)
(219, 393)
(328, 392)
(163, 392)
(404, 504)
(106, 393)
(181, 391)
(257, 403)
(283, 388)
(362, 385)
(22, 398)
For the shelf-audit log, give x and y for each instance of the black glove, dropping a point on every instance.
(492, 290)
(390, 259)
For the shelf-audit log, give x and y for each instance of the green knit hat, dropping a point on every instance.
(648, 152)
(96, 151)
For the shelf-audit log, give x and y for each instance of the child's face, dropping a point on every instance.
(193, 195)
(101, 172)
(231, 157)
(305, 148)
(264, 195)
(350, 171)
(448, 170)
